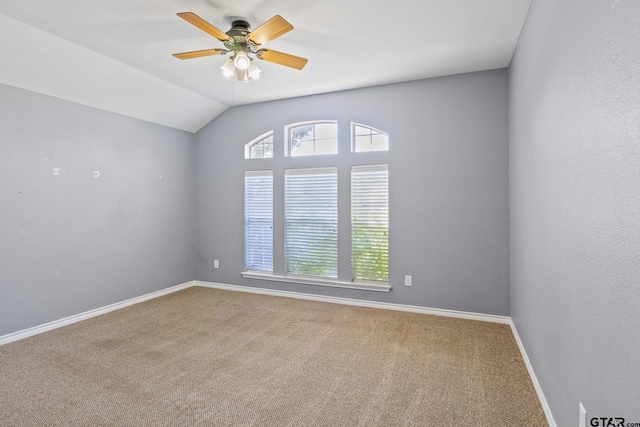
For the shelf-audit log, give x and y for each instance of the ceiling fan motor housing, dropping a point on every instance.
(239, 41)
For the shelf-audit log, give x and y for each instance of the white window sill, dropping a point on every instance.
(306, 280)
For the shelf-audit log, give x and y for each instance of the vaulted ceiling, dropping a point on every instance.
(116, 55)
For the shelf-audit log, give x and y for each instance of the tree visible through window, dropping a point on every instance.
(370, 223)
(311, 212)
(311, 222)
(312, 138)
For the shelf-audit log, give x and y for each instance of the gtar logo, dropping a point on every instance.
(607, 422)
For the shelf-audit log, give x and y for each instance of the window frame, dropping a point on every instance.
(287, 132)
(373, 131)
(259, 140)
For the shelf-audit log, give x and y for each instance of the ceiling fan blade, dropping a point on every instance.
(281, 58)
(200, 53)
(274, 27)
(194, 19)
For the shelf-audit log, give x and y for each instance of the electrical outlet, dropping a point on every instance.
(407, 280)
(583, 416)
(216, 264)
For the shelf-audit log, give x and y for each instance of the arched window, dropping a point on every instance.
(312, 138)
(260, 148)
(365, 138)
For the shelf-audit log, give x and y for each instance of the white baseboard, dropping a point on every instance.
(534, 379)
(361, 303)
(15, 336)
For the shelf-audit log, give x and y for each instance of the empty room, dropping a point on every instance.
(279, 213)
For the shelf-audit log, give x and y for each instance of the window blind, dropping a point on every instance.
(311, 222)
(258, 220)
(370, 223)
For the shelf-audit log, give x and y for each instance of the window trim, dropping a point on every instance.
(317, 281)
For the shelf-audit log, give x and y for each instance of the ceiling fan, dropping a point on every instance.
(244, 43)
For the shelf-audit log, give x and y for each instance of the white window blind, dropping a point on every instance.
(311, 222)
(370, 223)
(258, 220)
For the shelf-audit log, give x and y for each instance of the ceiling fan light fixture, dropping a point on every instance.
(254, 71)
(227, 68)
(242, 61)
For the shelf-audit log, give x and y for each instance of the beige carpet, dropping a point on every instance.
(206, 357)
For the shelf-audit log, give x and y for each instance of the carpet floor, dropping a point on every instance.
(208, 357)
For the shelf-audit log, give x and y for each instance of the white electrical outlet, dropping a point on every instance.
(407, 280)
(216, 264)
(583, 416)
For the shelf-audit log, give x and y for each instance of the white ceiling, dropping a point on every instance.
(116, 54)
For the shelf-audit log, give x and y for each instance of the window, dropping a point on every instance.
(309, 247)
(312, 138)
(370, 223)
(311, 222)
(260, 148)
(258, 220)
(365, 138)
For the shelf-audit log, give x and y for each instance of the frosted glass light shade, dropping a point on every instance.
(242, 61)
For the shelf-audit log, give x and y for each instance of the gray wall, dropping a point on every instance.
(575, 204)
(448, 168)
(72, 242)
